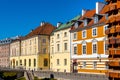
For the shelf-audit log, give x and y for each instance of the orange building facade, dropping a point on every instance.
(113, 34)
(88, 42)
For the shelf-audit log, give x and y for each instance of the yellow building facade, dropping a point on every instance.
(34, 49)
(15, 52)
(88, 42)
(60, 48)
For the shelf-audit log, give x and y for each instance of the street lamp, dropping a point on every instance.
(99, 57)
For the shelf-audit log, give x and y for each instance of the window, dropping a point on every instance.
(20, 62)
(34, 62)
(24, 62)
(94, 65)
(44, 50)
(75, 50)
(94, 31)
(58, 47)
(105, 27)
(95, 19)
(85, 22)
(58, 36)
(45, 62)
(84, 34)
(106, 47)
(76, 25)
(65, 34)
(74, 36)
(58, 62)
(106, 16)
(16, 63)
(95, 48)
(65, 46)
(29, 62)
(44, 40)
(84, 49)
(65, 61)
(84, 64)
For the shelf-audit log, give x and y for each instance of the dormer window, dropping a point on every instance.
(85, 22)
(76, 25)
(96, 19)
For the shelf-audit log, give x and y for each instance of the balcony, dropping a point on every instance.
(118, 40)
(112, 18)
(114, 63)
(114, 51)
(117, 29)
(118, 17)
(107, 31)
(112, 40)
(113, 6)
(112, 29)
(111, 52)
(118, 4)
(107, 9)
(114, 74)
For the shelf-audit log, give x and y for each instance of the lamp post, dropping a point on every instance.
(99, 57)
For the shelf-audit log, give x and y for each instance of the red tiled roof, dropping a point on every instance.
(90, 14)
(45, 29)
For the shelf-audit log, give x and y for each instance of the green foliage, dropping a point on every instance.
(36, 78)
(22, 78)
(10, 74)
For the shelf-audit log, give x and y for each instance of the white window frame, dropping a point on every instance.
(74, 38)
(85, 22)
(96, 19)
(82, 49)
(105, 27)
(93, 31)
(96, 47)
(74, 50)
(84, 34)
(105, 47)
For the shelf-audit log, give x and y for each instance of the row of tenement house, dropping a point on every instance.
(79, 45)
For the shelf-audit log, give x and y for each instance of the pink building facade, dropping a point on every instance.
(5, 52)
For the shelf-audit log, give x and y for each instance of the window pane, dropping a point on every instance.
(84, 49)
(75, 50)
(45, 62)
(65, 61)
(94, 48)
(57, 61)
(65, 46)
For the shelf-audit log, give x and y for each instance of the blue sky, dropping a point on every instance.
(18, 17)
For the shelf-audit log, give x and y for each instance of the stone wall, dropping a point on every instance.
(70, 76)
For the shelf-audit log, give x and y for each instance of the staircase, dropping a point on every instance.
(29, 75)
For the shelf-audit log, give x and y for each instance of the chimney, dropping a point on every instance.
(42, 23)
(99, 7)
(58, 24)
(84, 11)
